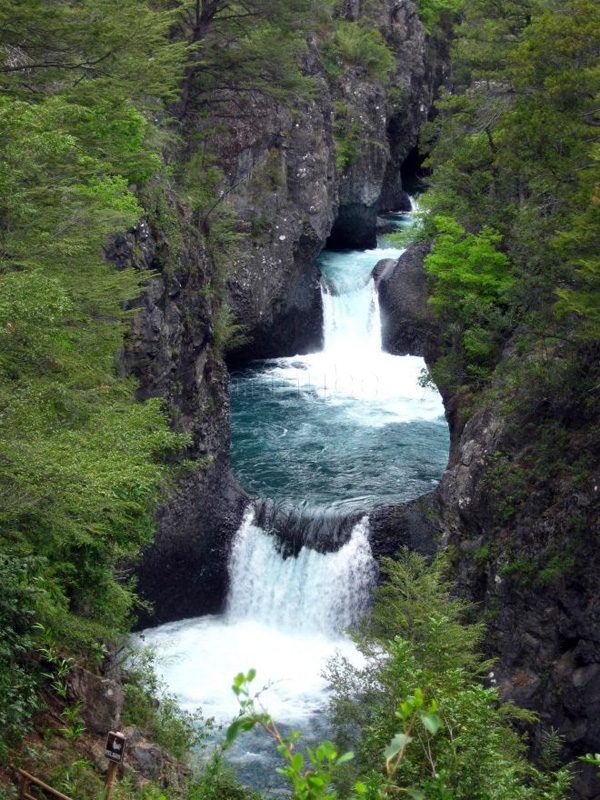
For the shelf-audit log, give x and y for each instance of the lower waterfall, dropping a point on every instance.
(312, 593)
(285, 617)
(320, 439)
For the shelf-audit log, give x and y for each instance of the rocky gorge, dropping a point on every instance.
(289, 198)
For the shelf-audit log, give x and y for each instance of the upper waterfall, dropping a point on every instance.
(346, 428)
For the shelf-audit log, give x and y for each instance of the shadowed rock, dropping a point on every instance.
(408, 323)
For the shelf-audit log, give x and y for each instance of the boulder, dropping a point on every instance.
(415, 525)
(408, 322)
(101, 699)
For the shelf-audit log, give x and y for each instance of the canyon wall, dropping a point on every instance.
(518, 526)
(287, 189)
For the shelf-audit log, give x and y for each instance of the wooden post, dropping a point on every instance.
(23, 785)
(110, 779)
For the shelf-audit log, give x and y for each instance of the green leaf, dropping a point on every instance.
(431, 722)
(399, 741)
(297, 761)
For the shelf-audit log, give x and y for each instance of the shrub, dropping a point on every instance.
(359, 45)
(157, 712)
(18, 672)
(422, 661)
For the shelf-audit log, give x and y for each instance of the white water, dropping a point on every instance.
(285, 618)
(314, 593)
(352, 370)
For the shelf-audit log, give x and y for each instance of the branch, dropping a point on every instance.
(59, 64)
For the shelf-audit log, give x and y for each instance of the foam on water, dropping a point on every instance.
(352, 370)
(314, 592)
(285, 618)
(335, 429)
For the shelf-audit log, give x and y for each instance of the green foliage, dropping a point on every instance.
(427, 725)
(358, 44)
(470, 279)
(557, 567)
(81, 463)
(74, 726)
(420, 699)
(346, 134)
(515, 151)
(18, 671)
(227, 333)
(310, 776)
(235, 50)
(436, 15)
(218, 782)
(149, 706)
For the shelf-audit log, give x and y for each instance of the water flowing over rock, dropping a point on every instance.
(323, 530)
(301, 565)
(312, 591)
(285, 616)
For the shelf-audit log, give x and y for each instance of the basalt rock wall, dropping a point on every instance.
(519, 526)
(285, 189)
(172, 352)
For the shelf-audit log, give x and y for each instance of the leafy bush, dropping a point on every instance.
(19, 676)
(426, 724)
(149, 706)
(435, 14)
(421, 657)
(359, 44)
(469, 280)
(218, 782)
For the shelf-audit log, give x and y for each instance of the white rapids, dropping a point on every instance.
(286, 617)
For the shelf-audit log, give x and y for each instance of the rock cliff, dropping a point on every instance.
(386, 125)
(171, 351)
(286, 189)
(517, 511)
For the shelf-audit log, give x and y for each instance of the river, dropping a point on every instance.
(319, 436)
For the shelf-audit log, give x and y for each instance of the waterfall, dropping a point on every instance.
(286, 617)
(351, 320)
(320, 438)
(309, 592)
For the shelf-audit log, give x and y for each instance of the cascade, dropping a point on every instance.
(309, 592)
(320, 438)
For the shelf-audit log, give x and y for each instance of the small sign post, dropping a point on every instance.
(115, 748)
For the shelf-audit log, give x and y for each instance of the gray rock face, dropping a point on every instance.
(526, 559)
(290, 197)
(281, 162)
(415, 525)
(387, 126)
(145, 761)
(102, 700)
(420, 71)
(408, 323)
(170, 349)
(184, 573)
